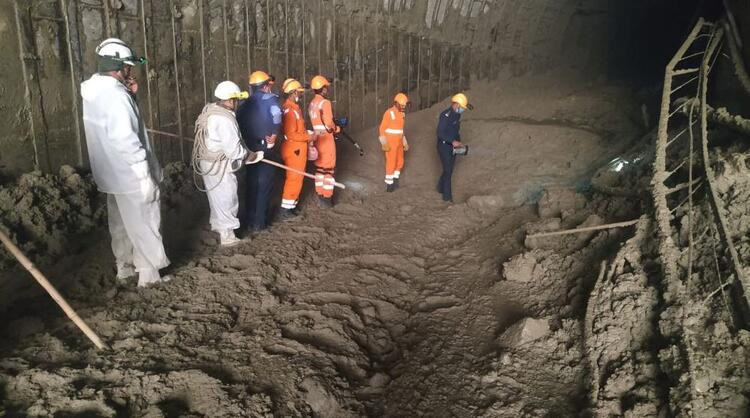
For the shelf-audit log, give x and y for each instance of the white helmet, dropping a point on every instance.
(117, 49)
(227, 90)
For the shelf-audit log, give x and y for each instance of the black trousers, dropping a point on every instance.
(260, 179)
(447, 159)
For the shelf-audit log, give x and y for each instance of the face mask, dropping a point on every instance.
(460, 110)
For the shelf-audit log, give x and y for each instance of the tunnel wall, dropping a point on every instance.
(372, 48)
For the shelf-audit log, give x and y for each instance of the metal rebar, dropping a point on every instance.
(419, 70)
(286, 34)
(26, 84)
(268, 35)
(335, 64)
(247, 36)
(107, 22)
(684, 84)
(377, 65)
(203, 50)
(145, 53)
(177, 80)
(722, 284)
(226, 38)
(73, 82)
(362, 55)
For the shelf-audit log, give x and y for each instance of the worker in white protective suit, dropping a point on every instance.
(123, 164)
(218, 152)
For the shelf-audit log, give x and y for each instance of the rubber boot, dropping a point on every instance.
(125, 270)
(389, 188)
(326, 202)
(286, 214)
(228, 239)
(395, 183)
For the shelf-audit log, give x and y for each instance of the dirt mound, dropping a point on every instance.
(46, 214)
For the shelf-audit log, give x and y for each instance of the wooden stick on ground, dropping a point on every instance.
(273, 163)
(51, 290)
(294, 170)
(586, 229)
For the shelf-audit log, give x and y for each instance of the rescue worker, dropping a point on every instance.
(218, 153)
(393, 140)
(260, 122)
(320, 110)
(294, 148)
(124, 164)
(449, 138)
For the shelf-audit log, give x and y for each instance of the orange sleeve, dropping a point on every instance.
(328, 115)
(384, 124)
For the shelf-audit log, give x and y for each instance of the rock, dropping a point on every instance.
(486, 205)
(520, 268)
(524, 331)
(556, 201)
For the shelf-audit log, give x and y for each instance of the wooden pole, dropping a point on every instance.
(586, 229)
(51, 290)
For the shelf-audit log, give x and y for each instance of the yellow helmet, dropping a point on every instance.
(291, 85)
(259, 77)
(401, 99)
(462, 101)
(318, 82)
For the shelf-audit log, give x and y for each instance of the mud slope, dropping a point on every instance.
(387, 305)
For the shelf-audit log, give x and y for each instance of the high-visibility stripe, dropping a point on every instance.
(394, 131)
(288, 205)
(296, 115)
(320, 127)
(393, 116)
(389, 176)
(288, 201)
(286, 111)
(396, 174)
(388, 181)
(327, 187)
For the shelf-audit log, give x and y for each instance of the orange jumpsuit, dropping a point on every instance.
(321, 117)
(392, 128)
(293, 152)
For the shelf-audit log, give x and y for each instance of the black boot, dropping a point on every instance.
(395, 184)
(389, 188)
(326, 202)
(286, 214)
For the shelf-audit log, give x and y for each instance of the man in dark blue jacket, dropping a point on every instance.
(449, 138)
(260, 124)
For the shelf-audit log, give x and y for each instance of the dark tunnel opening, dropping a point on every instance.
(647, 34)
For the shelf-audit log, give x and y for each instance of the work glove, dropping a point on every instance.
(253, 157)
(270, 141)
(148, 188)
(385, 147)
(406, 144)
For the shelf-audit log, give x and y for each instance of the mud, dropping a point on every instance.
(395, 304)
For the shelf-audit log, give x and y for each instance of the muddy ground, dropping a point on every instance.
(388, 305)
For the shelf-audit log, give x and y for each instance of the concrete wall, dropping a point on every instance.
(372, 48)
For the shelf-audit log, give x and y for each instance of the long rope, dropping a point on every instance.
(218, 160)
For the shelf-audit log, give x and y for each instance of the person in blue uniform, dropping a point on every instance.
(259, 119)
(449, 138)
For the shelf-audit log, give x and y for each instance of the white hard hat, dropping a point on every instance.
(229, 90)
(116, 48)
